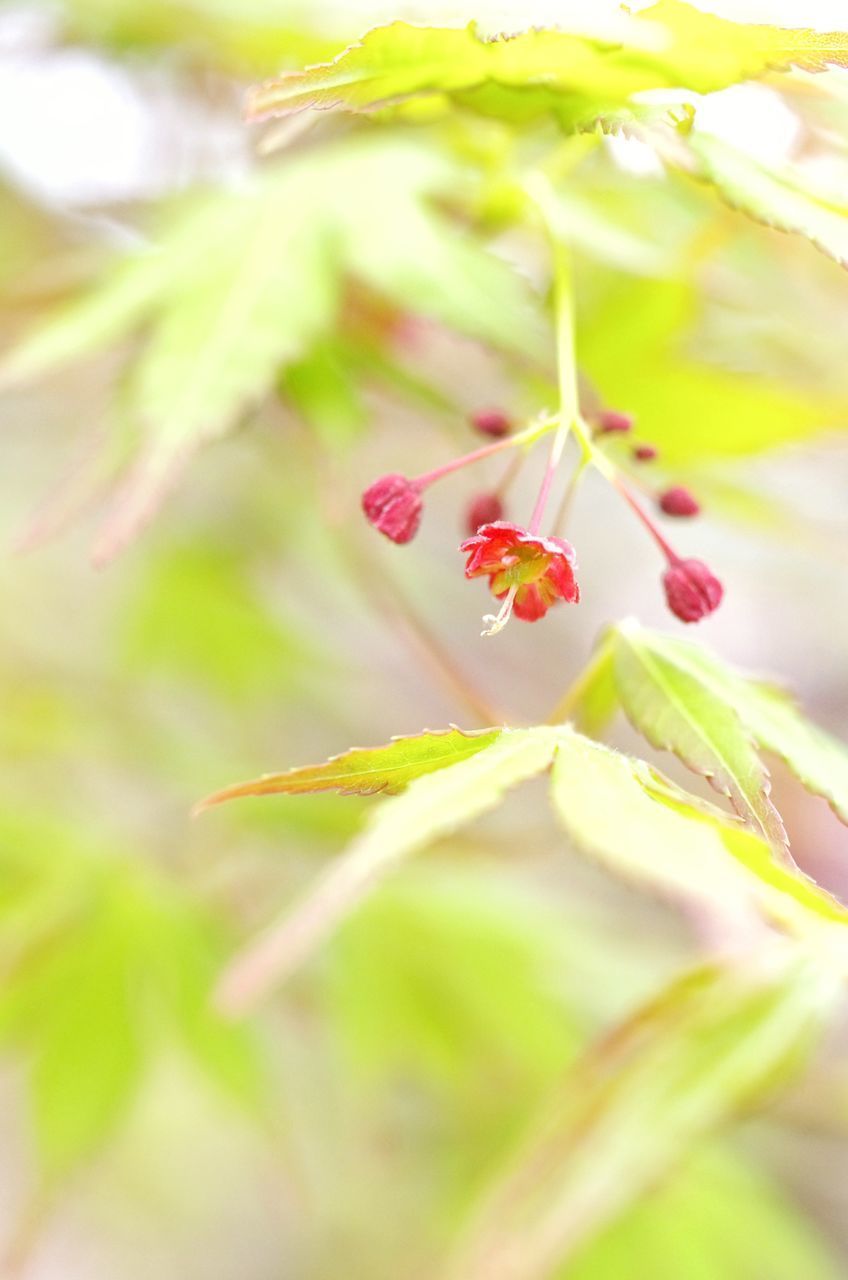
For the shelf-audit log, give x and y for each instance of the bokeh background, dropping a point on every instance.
(344, 1127)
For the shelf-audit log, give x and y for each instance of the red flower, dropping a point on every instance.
(393, 505)
(679, 502)
(491, 422)
(528, 571)
(613, 422)
(483, 509)
(691, 590)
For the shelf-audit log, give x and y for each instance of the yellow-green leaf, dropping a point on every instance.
(711, 1046)
(774, 722)
(687, 1228)
(604, 60)
(634, 345)
(781, 197)
(431, 807)
(365, 771)
(677, 712)
(642, 827)
(242, 283)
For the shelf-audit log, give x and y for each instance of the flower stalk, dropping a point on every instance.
(527, 571)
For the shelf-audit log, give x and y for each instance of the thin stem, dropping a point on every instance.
(570, 493)
(541, 193)
(442, 663)
(388, 599)
(667, 550)
(569, 402)
(527, 437)
(547, 481)
(455, 464)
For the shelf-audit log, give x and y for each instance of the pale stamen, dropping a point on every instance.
(498, 621)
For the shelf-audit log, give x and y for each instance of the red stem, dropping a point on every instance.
(668, 551)
(455, 464)
(541, 501)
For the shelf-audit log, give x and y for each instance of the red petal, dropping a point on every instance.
(529, 605)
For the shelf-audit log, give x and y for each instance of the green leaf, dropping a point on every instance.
(587, 226)
(478, 954)
(197, 617)
(783, 198)
(774, 722)
(605, 62)
(641, 826)
(243, 283)
(393, 63)
(591, 700)
(819, 761)
(677, 712)
(228, 36)
(182, 955)
(379, 365)
(711, 1046)
(430, 808)
(707, 52)
(125, 297)
(688, 1229)
(89, 1050)
(322, 387)
(365, 771)
(630, 816)
(102, 964)
(633, 346)
(218, 344)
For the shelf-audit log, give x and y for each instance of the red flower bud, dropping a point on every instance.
(691, 590)
(484, 509)
(612, 421)
(491, 422)
(645, 452)
(393, 505)
(679, 502)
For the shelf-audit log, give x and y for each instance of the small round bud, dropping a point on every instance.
(691, 590)
(645, 452)
(484, 509)
(613, 422)
(392, 504)
(491, 422)
(679, 502)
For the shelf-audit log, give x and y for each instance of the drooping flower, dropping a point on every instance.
(491, 422)
(484, 509)
(528, 572)
(691, 589)
(679, 502)
(392, 504)
(613, 422)
(645, 452)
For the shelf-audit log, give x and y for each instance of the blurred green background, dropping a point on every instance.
(344, 1128)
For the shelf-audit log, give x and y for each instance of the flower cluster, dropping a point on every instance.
(527, 571)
